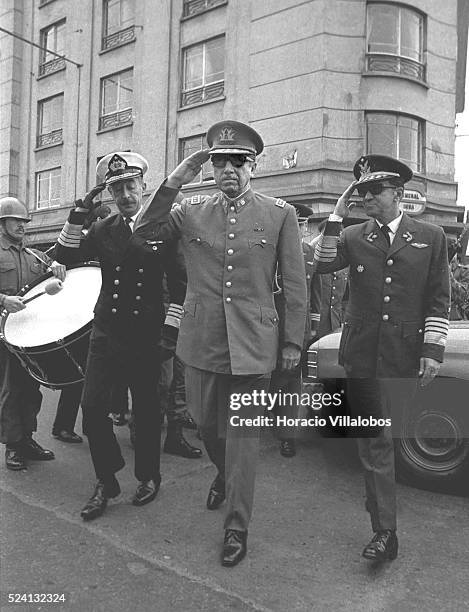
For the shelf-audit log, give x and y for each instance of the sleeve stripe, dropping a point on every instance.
(326, 249)
(70, 236)
(174, 315)
(436, 330)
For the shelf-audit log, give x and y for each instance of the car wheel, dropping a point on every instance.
(433, 450)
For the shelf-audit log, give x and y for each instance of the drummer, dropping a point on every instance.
(20, 398)
(129, 322)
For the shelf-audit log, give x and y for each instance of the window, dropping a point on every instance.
(395, 40)
(48, 187)
(396, 135)
(49, 121)
(187, 146)
(194, 7)
(118, 23)
(52, 39)
(116, 100)
(203, 72)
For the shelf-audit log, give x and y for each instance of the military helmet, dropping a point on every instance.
(12, 207)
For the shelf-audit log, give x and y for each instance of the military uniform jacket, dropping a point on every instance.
(18, 267)
(329, 299)
(399, 295)
(130, 303)
(231, 249)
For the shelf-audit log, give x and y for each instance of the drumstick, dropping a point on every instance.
(37, 257)
(53, 287)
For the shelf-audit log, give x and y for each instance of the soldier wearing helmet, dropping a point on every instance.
(20, 398)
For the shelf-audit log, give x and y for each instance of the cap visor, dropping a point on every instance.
(232, 151)
(122, 177)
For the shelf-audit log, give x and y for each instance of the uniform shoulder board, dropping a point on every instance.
(280, 203)
(196, 199)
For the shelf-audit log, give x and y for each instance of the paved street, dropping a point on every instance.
(305, 541)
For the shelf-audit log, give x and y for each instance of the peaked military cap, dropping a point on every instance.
(234, 137)
(380, 168)
(120, 166)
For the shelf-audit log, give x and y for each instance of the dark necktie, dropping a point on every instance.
(385, 230)
(128, 221)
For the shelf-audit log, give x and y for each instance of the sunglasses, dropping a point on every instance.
(373, 188)
(219, 160)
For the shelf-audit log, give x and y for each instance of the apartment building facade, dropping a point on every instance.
(323, 81)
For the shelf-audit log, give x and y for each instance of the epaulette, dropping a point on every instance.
(280, 203)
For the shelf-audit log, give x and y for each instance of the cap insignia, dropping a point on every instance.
(227, 134)
(117, 163)
(364, 167)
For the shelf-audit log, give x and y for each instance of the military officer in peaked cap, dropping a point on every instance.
(232, 242)
(128, 326)
(396, 320)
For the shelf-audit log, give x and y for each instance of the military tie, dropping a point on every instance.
(128, 229)
(385, 230)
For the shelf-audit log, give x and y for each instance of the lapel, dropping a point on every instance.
(373, 235)
(119, 236)
(405, 234)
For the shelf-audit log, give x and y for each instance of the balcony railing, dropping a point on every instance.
(118, 38)
(202, 94)
(54, 65)
(51, 138)
(194, 7)
(118, 119)
(381, 62)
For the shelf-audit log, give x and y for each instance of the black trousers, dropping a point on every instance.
(67, 408)
(135, 364)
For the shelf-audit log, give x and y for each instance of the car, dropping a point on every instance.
(432, 448)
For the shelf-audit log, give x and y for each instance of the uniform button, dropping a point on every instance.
(308, 276)
(115, 296)
(140, 270)
(139, 285)
(387, 298)
(388, 280)
(228, 283)
(232, 208)
(263, 240)
(390, 262)
(118, 268)
(385, 317)
(116, 281)
(420, 331)
(113, 310)
(232, 221)
(229, 268)
(231, 236)
(230, 251)
(198, 240)
(155, 248)
(138, 297)
(228, 299)
(135, 312)
(333, 287)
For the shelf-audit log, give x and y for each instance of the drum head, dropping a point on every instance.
(50, 318)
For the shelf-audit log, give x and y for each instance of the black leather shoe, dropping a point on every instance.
(234, 547)
(97, 503)
(188, 422)
(67, 436)
(383, 546)
(176, 444)
(216, 494)
(287, 448)
(14, 460)
(30, 449)
(146, 492)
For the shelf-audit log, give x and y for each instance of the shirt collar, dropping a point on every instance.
(6, 243)
(134, 217)
(239, 202)
(393, 225)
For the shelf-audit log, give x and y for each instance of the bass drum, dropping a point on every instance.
(51, 335)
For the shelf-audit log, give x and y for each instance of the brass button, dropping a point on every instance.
(155, 248)
(228, 283)
(139, 284)
(138, 297)
(232, 208)
(231, 236)
(228, 299)
(229, 268)
(387, 298)
(135, 312)
(140, 270)
(385, 317)
(113, 310)
(263, 240)
(198, 240)
(116, 281)
(118, 268)
(390, 262)
(232, 221)
(230, 251)
(388, 280)
(115, 296)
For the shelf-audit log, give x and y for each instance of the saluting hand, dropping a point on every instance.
(13, 303)
(87, 204)
(342, 208)
(429, 368)
(188, 169)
